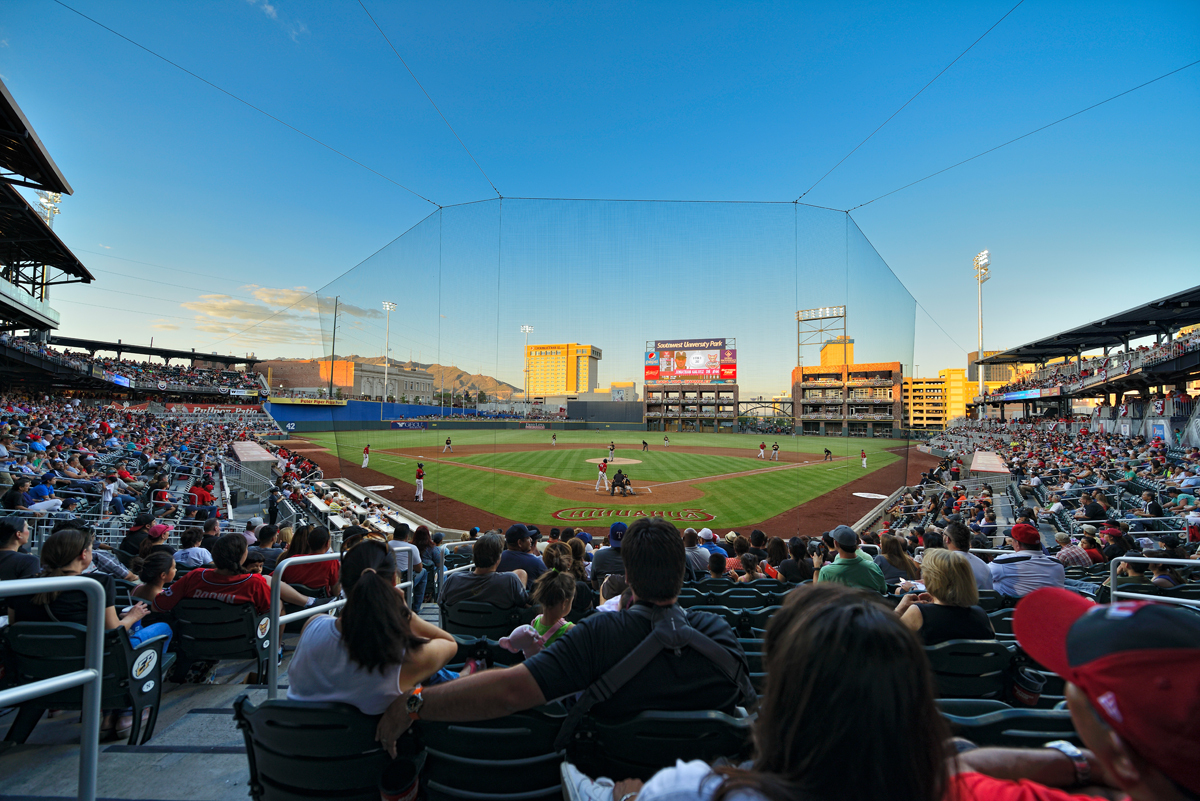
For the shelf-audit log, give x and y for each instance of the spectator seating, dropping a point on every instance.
(213, 630)
(305, 750)
(508, 758)
(133, 677)
(969, 668)
(475, 619)
(638, 747)
(1007, 726)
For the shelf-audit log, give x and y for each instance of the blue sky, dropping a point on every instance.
(741, 102)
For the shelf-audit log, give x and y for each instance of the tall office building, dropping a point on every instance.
(563, 369)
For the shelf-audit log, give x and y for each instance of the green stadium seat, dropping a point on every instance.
(301, 751)
(639, 747)
(133, 677)
(733, 617)
(990, 600)
(1015, 728)
(969, 668)
(475, 619)
(507, 758)
(758, 618)
(741, 598)
(483, 648)
(970, 707)
(212, 630)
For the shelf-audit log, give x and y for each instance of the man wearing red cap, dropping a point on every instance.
(1028, 568)
(1133, 688)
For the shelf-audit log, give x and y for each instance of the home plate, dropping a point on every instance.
(875, 496)
(380, 487)
(617, 460)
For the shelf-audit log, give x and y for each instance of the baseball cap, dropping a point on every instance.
(160, 530)
(845, 537)
(143, 519)
(254, 522)
(1025, 534)
(515, 534)
(706, 534)
(616, 532)
(1138, 663)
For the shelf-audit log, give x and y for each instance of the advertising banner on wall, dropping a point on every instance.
(410, 425)
(700, 361)
(309, 401)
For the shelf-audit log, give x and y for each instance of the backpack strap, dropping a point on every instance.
(670, 630)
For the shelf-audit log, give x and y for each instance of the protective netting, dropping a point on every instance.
(619, 276)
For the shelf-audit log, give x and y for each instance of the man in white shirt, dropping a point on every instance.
(1027, 569)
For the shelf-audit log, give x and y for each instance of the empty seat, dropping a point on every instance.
(638, 747)
(969, 668)
(507, 758)
(1015, 727)
(308, 750)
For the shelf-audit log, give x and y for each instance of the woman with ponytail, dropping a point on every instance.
(377, 650)
(555, 592)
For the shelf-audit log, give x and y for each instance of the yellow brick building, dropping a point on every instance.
(959, 391)
(563, 369)
(925, 403)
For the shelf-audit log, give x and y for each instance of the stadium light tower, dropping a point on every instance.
(527, 330)
(388, 307)
(982, 274)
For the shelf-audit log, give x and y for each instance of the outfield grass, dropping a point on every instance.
(732, 502)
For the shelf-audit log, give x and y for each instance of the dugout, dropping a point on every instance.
(605, 411)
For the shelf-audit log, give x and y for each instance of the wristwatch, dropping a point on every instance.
(1083, 770)
(414, 702)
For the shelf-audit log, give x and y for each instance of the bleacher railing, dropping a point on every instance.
(90, 677)
(1118, 594)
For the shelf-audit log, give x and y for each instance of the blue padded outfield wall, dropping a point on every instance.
(365, 416)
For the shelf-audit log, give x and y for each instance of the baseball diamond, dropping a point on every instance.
(520, 476)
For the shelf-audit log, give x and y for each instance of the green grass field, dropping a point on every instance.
(731, 502)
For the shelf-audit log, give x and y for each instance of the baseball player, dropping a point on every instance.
(775, 451)
(828, 456)
(621, 482)
(602, 478)
(612, 447)
(864, 458)
(448, 447)
(762, 450)
(666, 442)
(366, 455)
(420, 483)
(645, 447)
(554, 440)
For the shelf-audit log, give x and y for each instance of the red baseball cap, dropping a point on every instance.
(1025, 534)
(1138, 663)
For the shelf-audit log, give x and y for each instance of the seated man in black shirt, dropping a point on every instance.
(675, 681)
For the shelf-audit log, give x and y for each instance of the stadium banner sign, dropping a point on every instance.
(534, 426)
(244, 393)
(690, 361)
(309, 401)
(585, 514)
(97, 372)
(211, 407)
(410, 425)
(120, 380)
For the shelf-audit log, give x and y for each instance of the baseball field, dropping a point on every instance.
(517, 475)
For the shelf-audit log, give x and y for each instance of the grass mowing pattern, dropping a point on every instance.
(570, 464)
(734, 501)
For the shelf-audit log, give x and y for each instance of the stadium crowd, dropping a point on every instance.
(828, 646)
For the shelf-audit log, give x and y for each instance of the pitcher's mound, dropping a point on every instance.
(617, 460)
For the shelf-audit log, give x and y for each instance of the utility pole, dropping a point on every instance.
(527, 330)
(333, 346)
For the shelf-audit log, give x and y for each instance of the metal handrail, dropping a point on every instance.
(1147, 560)
(276, 620)
(90, 676)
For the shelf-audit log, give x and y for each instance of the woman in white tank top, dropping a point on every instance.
(377, 650)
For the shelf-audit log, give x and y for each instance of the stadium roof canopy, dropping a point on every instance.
(94, 345)
(23, 158)
(1161, 317)
(26, 240)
